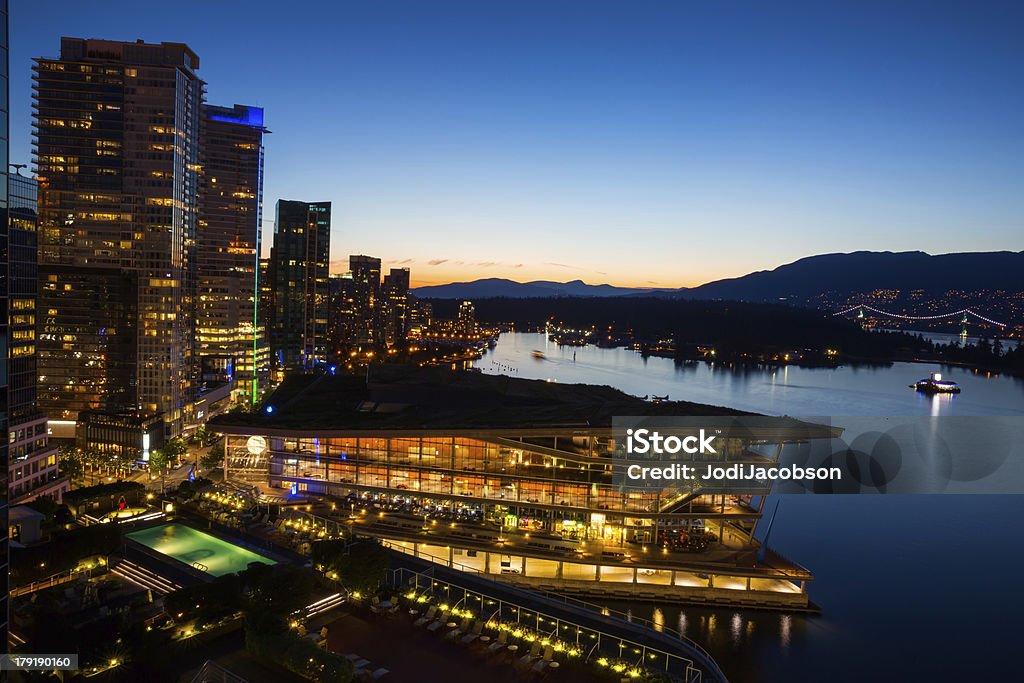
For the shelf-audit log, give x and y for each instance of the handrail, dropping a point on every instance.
(557, 597)
(695, 663)
(605, 611)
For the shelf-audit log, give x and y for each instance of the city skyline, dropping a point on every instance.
(628, 147)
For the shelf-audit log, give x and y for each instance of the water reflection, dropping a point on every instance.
(785, 624)
(789, 390)
(658, 619)
(844, 540)
(736, 628)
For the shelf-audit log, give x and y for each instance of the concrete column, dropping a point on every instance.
(748, 583)
(487, 563)
(451, 556)
(634, 574)
(673, 577)
(415, 549)
(558, 571)
(711, 580)
(597, 572)
(523, 570)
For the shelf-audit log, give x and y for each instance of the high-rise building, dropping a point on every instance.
(465, 324)
(229, 331)
(365, 298)
(117, 156)
(4, 159)
(32, 470)
(341, 315)
(394, 300)
(421, 315)
(299, 263)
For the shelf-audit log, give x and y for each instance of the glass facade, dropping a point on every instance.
(560, 484)
(300, 291)
(229, 333)
(116, 129)
(4, 160)
(33, 460)
(365, 297)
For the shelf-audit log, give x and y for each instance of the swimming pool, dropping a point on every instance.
(197, 549)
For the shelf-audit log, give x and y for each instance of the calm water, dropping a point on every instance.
(912, 588)
(189, 546)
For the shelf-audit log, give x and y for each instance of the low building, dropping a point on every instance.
(33, 470)
(25, 525)
(103, 498)
(519, 472)
(123, 435)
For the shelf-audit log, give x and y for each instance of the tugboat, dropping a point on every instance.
(935, 385)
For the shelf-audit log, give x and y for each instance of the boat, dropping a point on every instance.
(934, 384)
(659, 399)
(538, 354)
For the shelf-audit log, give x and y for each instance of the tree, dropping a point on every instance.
(213, 459)
(362, 567)
(175, 449)
(159, 461)
(71, 463)
(202, 436)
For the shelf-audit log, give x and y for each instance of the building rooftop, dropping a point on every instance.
(400, 397)
(22, 513)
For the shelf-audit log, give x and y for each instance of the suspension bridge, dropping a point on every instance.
(964, 314)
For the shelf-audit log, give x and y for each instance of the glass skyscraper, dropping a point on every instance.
(33, 460)
(230, 335)
(299, 264)
(117, 156)
(4, 160)
(365, 298)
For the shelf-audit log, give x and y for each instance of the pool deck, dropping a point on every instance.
(412, 654)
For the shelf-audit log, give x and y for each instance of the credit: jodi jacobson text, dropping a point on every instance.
(734, 472)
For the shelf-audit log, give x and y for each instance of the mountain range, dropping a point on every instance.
(839, 274)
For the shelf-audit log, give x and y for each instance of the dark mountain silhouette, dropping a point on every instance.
(837, 274)
(502, 288)
(864, 271)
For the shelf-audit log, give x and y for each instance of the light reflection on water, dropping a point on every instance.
(879, 562)
(658, 619)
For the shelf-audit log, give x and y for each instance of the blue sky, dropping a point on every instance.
(637, 143)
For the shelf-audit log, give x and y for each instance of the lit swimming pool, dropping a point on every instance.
(197, 549)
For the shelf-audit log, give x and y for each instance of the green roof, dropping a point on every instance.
(401, 397)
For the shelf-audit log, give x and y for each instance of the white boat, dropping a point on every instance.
(934, 384)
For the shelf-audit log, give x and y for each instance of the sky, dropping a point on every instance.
(640, 143)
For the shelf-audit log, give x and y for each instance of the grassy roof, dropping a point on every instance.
(409, 397)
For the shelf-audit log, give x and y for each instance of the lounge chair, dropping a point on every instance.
(534, 653)
(379, 673)
(543, 662)
(440, 621)
(456, 632)
(498, 644)
(426, 618)
(478, 628)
